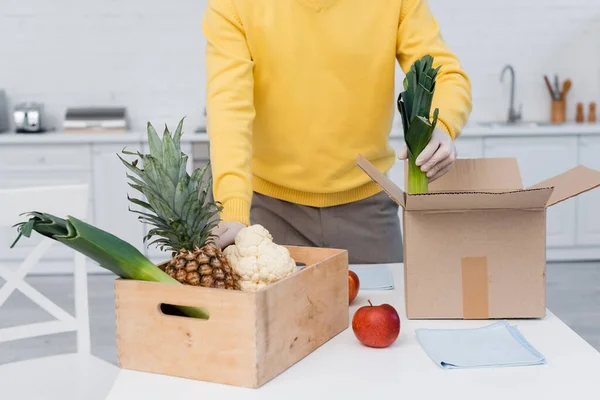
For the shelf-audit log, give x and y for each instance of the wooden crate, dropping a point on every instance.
(250, 337)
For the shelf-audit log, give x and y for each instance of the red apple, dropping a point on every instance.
(353, 286)
(376, 326)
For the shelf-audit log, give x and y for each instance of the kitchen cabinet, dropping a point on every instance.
(541, 158)
(468, 147)
(34, 166)
(588, 217)
(36, 157)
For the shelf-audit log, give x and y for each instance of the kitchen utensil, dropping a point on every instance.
(549, 86)
(3, 112)
(579, 117)
(29, 117)
(592, 113)
(556, 86)
(565, 89)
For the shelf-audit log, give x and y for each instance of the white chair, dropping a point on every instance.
(72, 376)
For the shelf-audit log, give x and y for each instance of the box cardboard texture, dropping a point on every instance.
(249, 338)
(475, 245)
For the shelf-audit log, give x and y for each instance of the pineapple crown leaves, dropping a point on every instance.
(176, 204)
(414, 103)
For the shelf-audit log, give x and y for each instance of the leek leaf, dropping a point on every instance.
(109, 251)
(414, 105)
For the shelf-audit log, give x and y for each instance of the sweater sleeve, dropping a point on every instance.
(230, 109)
(419, 35)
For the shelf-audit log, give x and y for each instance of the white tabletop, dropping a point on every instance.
(344, 369)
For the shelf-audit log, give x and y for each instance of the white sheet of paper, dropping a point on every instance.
(374, 277)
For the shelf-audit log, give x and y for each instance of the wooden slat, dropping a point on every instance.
(301, 314)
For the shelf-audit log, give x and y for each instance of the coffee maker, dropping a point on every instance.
(29, 117)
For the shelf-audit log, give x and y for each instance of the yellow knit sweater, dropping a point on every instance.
(296, 89)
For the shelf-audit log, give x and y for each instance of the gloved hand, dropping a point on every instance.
(226, 232)
(437, 157)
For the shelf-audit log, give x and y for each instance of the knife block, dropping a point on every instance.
(558, 111)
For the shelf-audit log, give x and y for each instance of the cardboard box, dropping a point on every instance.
(249, 338)
(475, 245)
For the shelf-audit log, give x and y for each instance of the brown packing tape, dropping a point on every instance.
(475, 289)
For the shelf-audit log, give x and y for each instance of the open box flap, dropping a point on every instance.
(480, 175)
(520, 199)
(571, 183)
(386, 184)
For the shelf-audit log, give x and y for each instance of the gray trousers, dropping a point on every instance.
(369, 229)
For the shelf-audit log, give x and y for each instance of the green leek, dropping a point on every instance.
(414, 105)
(107, 250)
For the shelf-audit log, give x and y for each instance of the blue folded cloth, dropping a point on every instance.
(374, 277)
(497, 345)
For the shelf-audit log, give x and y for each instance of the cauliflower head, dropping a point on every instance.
(257, 259)
(249, 238)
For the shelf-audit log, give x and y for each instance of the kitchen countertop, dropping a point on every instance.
(486, 129)
(472, 130)
(75, 138)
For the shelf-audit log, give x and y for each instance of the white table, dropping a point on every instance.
(344, 369)
(61, 377)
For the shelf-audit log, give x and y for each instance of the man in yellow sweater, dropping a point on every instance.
(296, 89)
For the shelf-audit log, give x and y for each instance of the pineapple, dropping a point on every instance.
(181, 213)
(206, 266)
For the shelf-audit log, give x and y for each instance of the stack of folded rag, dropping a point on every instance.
(496, 345)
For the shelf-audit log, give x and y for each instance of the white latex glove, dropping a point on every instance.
(437, 157)
(226, 232)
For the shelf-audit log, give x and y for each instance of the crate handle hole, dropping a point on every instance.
(300, 265)
(179, 311)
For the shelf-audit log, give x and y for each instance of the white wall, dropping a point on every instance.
(148, 55)
(537, 37)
